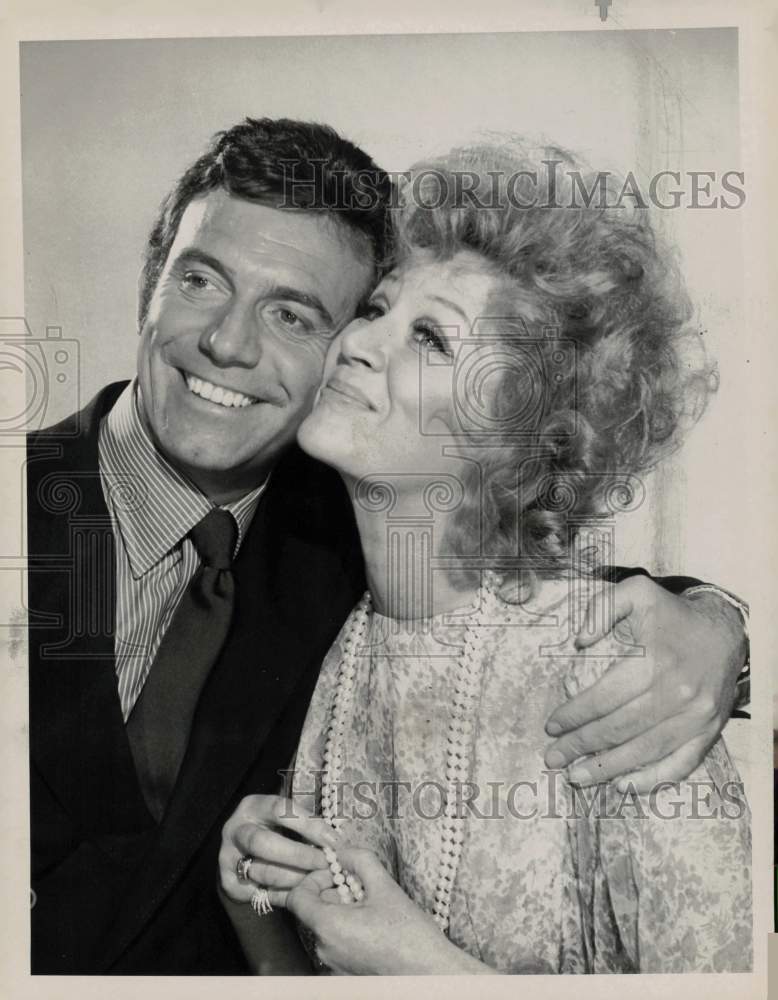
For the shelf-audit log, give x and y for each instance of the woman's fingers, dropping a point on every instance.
(275, 876)
(262, 810)
(260, 875)
(260, 829)
(363, 863)
(235, 888)
(314, 829)
(270, 847)
(274, 811)
(278, 898)
(305, 900)
(310, 890)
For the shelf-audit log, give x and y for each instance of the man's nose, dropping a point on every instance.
(365, 343)
(234, 339)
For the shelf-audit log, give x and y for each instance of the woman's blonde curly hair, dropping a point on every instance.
(590, 302)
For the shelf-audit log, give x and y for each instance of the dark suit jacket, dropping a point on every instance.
(114, 891)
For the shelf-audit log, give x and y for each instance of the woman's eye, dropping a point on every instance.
(430, 337)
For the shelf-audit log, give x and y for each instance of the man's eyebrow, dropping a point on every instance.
(303, 298)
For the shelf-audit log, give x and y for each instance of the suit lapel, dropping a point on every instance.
(73, 691)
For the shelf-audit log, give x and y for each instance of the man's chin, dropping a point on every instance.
(206, 457)
(218, 459)
(224, 482)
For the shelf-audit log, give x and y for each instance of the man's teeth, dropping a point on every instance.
(217, 394)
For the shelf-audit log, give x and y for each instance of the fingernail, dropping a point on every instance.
(577, 776)
(553, 728)
(555, 759)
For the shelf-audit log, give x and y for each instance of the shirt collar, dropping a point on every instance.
(154, 505)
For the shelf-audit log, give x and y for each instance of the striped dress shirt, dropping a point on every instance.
(153, 508)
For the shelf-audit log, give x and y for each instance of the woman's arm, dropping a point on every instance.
(270, 943)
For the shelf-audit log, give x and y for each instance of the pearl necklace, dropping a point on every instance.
(459, 744)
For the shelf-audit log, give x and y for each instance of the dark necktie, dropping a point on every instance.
(158, 727)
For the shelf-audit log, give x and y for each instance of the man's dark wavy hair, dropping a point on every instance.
(281, 163)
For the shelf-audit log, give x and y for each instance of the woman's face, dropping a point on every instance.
(387, 401)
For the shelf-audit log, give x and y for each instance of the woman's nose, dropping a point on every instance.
(364, 342)
(233, 340)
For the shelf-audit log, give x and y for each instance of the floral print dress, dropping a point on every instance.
(551, 879)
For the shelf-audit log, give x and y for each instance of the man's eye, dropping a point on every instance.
(194, 280)
(289, 318)
(371, 311)
(430, 337)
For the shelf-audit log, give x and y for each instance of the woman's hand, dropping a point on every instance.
(386, 934)
(257, 829)
(659, 712)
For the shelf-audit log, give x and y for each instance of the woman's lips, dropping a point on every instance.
(350, 392)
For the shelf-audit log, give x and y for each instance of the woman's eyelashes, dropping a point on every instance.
(429, 335)
(424, 332)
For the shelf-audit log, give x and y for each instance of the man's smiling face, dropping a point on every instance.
(233, 345)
